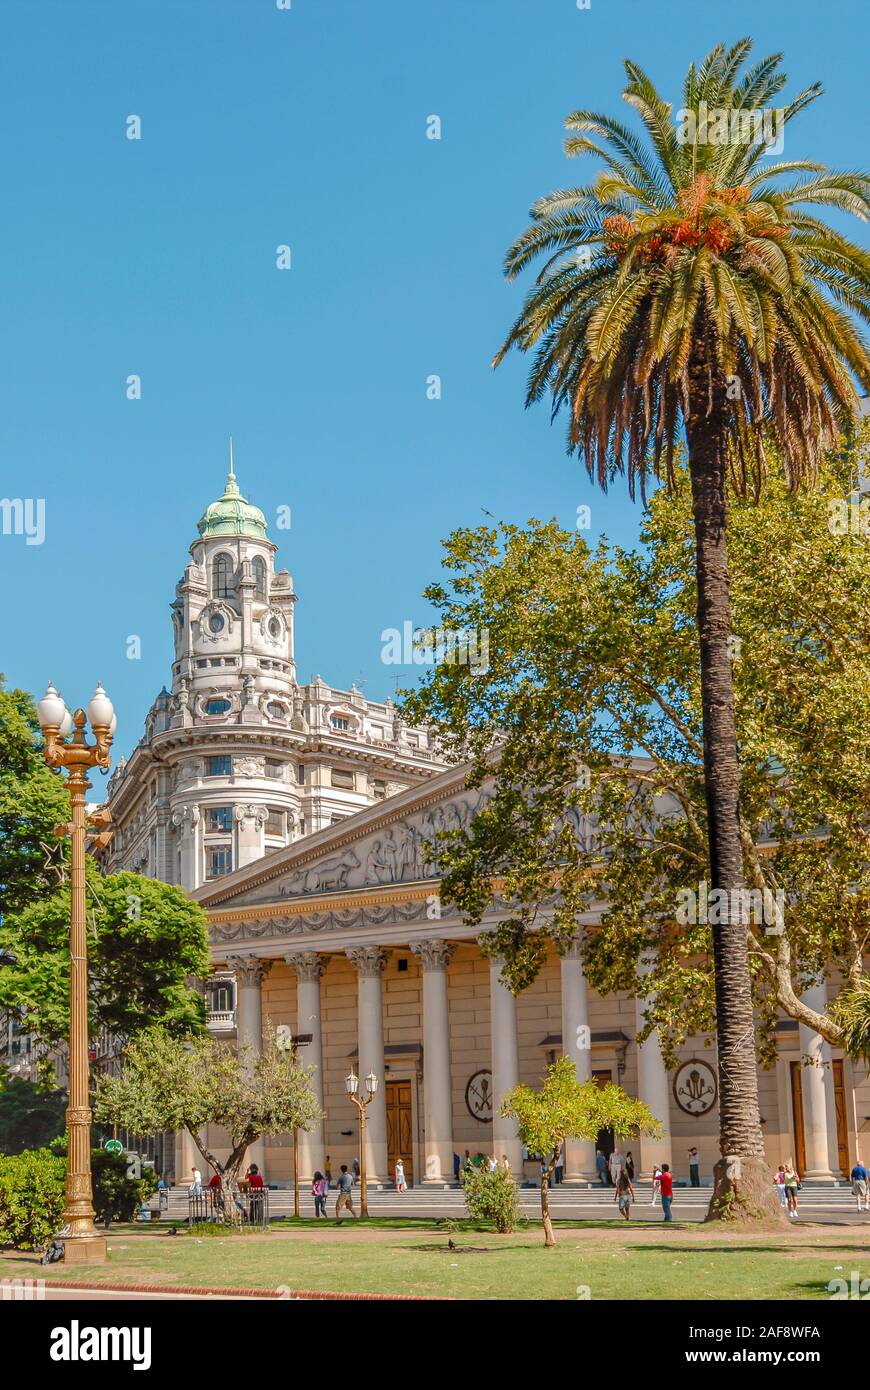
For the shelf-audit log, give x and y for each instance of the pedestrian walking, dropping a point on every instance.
(559, 1170)
(861, 1185)
(779, 1184)
(616, 1165)
(629, 1165)
(399, 1175)
(327, 1171)
(505, 1163)
(162, 1195)
(666, 1184)
(196, 1183)
(318, 1192)
(624, 1194)
(344, 1200)
(601, 1167)
(694, 1168)
(356, 1170)
(656, 1184)
(457, 1165)
(791, 1189)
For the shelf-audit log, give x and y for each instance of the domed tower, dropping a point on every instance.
(238, 759)
(233, 618)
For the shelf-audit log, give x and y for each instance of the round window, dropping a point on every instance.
(216, 622)
(274, 628)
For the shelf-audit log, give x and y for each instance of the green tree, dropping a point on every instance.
(30, 1116)
(166, 1083)
(565, 1108)
(116, 1197)
(491, 1195)
(146, 940)
(590, 718)
(691, 288)
(33, 800)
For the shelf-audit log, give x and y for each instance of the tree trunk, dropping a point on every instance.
(549, 1237)
(743, 1187)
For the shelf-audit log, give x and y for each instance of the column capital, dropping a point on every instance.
(434, 953)
(249, 970)
(368, 961)
(309, 965)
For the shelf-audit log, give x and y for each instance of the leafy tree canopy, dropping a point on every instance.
(167, 1083)
(33, 799)
(591, 706)
(145, 939)
(565, 1108)
(29, 1115)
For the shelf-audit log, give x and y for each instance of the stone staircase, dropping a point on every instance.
(585, 1203)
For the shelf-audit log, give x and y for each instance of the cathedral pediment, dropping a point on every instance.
(389, 844)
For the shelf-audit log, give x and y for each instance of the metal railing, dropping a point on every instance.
(251, 1206)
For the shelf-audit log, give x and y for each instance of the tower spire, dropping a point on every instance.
(232, 487)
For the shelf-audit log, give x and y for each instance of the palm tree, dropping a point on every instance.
(690, 292)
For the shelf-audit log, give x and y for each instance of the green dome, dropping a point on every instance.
(231, 515)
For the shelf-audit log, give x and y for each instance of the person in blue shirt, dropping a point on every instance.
(861, 1185)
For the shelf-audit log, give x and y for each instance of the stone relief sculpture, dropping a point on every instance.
(402, 853)
(331, 873)
(249, 767)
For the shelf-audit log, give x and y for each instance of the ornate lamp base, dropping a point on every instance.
(84, 1250)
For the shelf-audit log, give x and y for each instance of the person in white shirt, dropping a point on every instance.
(401, 1185)
(196, 1185)
(656, 1184)
(617, 1163)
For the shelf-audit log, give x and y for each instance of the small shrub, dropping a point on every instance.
(31, 1198)
(492, 1196)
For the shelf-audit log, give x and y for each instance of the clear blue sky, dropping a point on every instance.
(260, 127)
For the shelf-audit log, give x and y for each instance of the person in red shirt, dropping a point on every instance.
(667, 1183)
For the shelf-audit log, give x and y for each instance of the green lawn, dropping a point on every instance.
(413, 1257)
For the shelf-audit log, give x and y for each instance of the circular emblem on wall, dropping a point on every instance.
(478, 1096)
(695, 1088)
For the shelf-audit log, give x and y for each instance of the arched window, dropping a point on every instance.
(259, 578)
(222, 575)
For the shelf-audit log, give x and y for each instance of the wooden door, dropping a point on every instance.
(400, 1142)
(797, 1110)
(842, 1123)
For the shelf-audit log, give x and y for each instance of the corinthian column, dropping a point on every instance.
(653, 1090)
(369, 962)
(817, 1087)
(250, 974)
(309, 967)
(434, 957)
(505, 1067)
(577, 1045)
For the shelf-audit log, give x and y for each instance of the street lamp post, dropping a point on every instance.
(82, 1243)
(352, 1088)
(284, 1042)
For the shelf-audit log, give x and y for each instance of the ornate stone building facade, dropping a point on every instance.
(343, 937)
(237, 758)
(303, 818)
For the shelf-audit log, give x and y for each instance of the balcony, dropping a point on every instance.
(220, 1020)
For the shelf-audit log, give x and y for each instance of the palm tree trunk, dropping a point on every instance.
(742, 1181)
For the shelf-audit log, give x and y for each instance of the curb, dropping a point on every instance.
(284, 1295)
